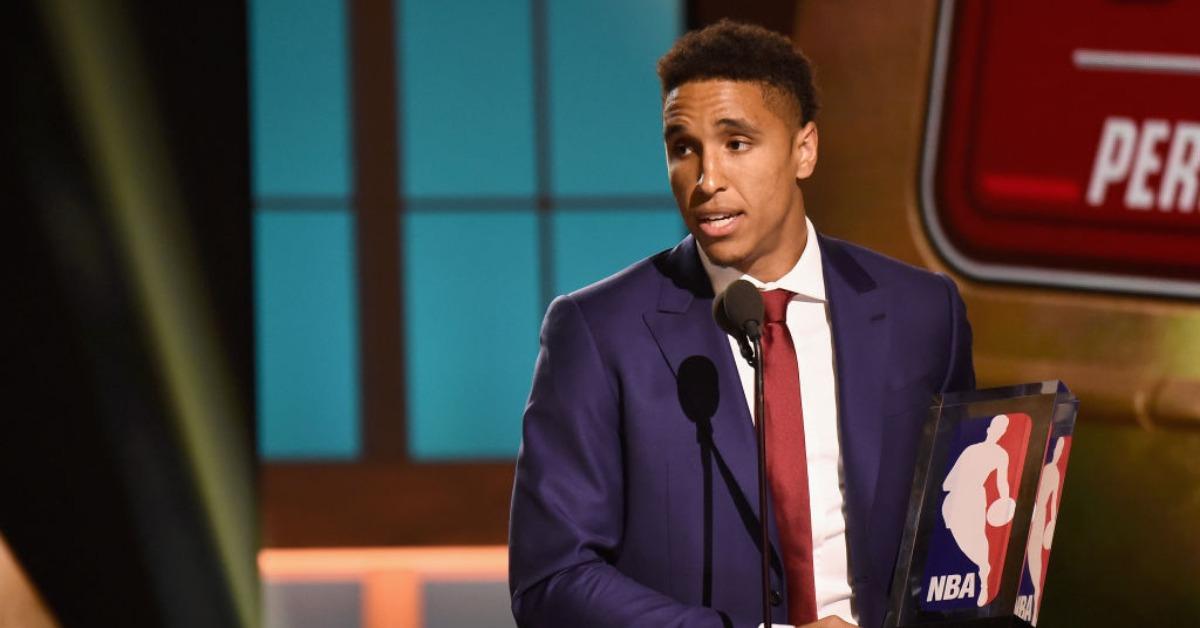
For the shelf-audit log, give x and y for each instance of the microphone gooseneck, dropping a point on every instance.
(739, 312)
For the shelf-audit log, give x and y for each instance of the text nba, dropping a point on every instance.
(951, 587)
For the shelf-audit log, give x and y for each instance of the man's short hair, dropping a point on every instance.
(736, 51)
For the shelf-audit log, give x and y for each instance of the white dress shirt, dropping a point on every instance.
(809, 324)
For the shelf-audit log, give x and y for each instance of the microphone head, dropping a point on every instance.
(739, 309)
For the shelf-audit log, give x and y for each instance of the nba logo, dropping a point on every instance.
(967, 548)
(1041, 528)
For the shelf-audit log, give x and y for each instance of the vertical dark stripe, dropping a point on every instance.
(541, 114)
(376, 201)
(691, 14)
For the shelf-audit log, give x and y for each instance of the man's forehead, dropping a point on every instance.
(722, 98)
(714, 93)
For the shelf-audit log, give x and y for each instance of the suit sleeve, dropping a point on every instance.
(567, 506)
(960, 368)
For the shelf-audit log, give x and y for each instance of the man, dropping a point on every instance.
(635, 497)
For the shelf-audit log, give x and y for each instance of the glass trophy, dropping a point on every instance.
(981, 516)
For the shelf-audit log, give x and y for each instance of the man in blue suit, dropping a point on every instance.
(635, 500)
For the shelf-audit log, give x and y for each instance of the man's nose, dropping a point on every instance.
(711, 179)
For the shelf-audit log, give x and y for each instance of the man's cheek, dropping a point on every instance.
(678, 181)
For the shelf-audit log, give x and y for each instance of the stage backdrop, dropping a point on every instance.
(520, 159)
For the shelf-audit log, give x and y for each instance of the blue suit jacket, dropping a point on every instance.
(635, 500)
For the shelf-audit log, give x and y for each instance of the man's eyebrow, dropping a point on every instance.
(672, 129)
(738, 125)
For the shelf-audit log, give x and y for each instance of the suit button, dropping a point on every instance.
(776, 598)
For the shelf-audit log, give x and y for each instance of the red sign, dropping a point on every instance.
(1063, 145)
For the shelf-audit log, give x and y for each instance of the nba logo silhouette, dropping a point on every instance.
(966, 552)
(1041, 528)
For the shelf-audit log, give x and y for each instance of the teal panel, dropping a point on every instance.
(590, 245)
(472, 310)
(299, 98)
(466, 98)
(306, 327)
(606, 113)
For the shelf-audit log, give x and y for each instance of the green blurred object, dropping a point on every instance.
(127, 147)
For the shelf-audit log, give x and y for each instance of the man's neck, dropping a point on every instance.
(776, 266)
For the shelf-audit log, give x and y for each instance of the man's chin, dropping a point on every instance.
(723, 253)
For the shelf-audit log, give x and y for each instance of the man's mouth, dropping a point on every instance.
(719, 224)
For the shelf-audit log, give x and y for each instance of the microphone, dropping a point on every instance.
(739, 312)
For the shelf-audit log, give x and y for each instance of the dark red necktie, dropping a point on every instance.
(787, 464)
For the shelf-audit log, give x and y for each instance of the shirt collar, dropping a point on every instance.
(805, 278)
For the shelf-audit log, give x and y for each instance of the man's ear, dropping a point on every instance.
(804, 148)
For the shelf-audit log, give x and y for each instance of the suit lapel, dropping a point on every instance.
(683, 327)
(860, 341)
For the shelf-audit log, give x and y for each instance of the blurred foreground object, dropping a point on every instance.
(128, 474)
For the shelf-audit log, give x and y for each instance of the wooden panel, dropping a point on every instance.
(305, 505)
(377, 207)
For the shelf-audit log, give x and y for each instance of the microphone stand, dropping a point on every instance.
(739, 312)
(760, 416)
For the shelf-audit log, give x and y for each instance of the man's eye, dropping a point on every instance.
(738, 145)
(682, 150)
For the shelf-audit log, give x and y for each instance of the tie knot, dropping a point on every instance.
(775, 304)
